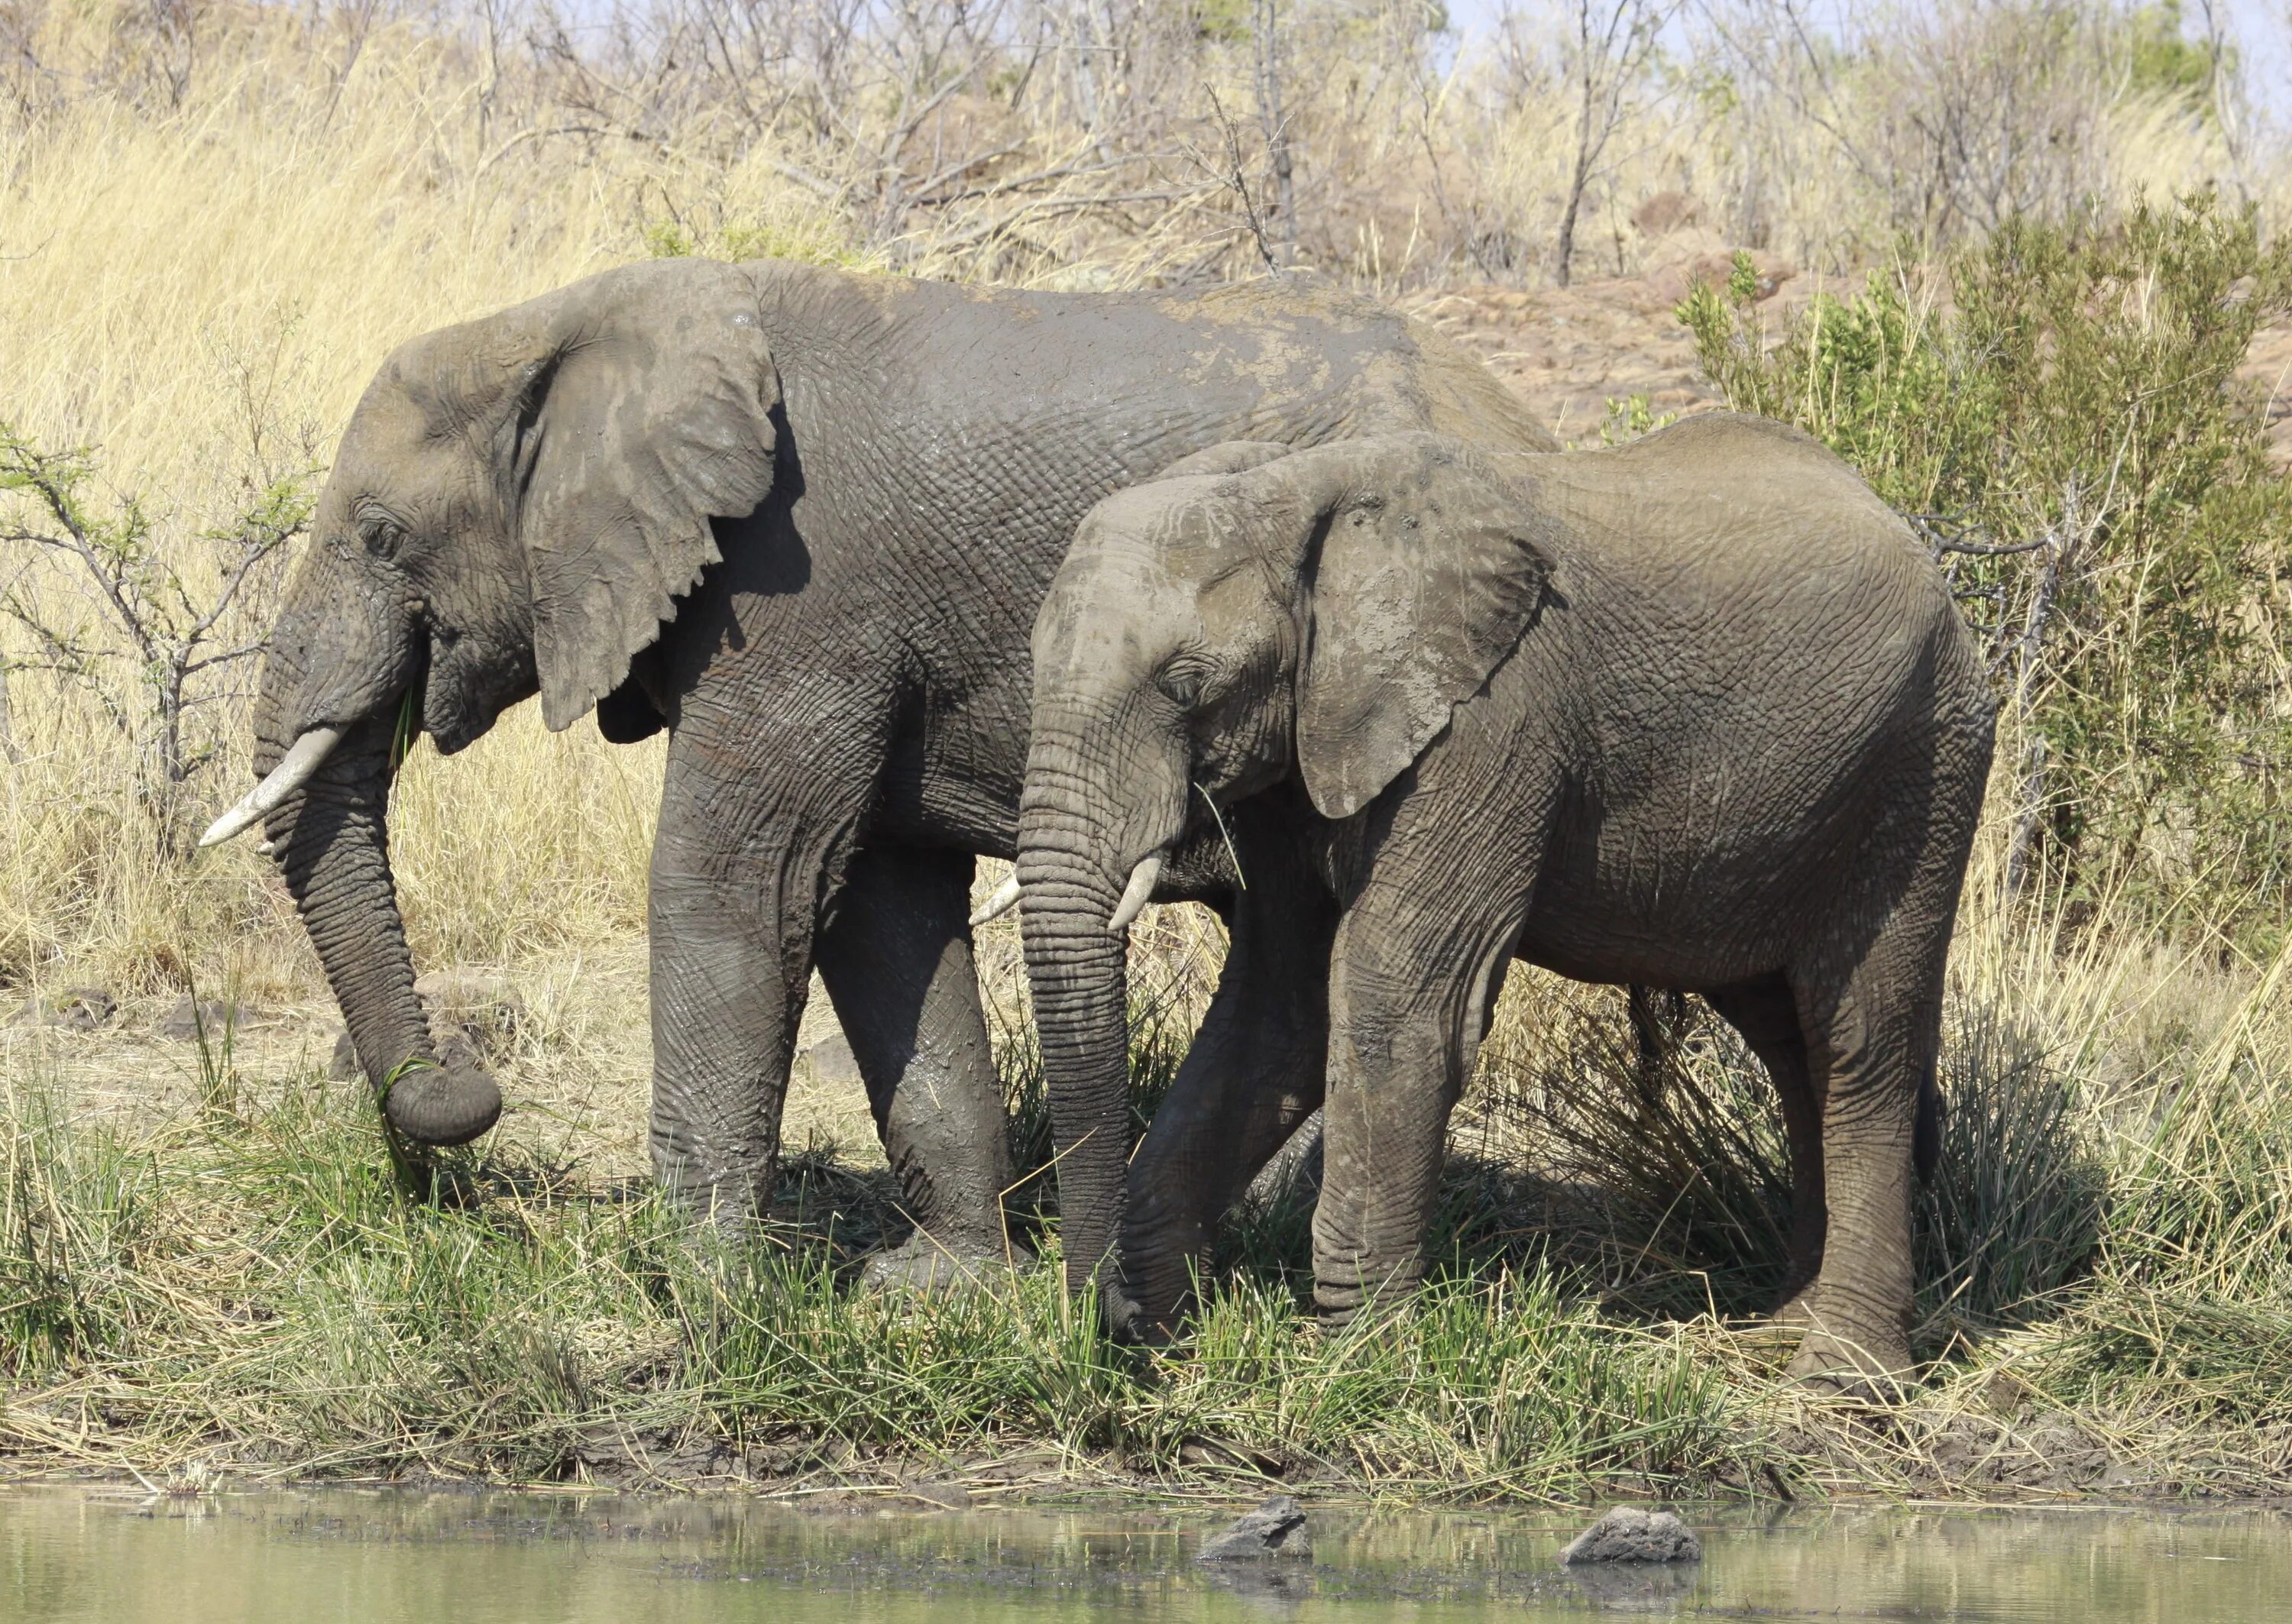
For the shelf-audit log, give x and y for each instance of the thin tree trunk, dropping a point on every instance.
(1565, 250)
(1275, 124)
(1580, 176)
(2067, 533)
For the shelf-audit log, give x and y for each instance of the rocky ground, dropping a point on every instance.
(1571, 351)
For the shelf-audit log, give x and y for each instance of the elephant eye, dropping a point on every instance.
(382, 534)
(1181, 682)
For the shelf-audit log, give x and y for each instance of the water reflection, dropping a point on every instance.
(368, 1557)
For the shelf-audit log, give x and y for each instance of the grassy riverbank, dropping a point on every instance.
(215, 218)
(2106, 1275)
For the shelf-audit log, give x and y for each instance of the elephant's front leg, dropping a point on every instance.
(740, 866)
(1414, 979)
(1254, 1072)
(896, 957)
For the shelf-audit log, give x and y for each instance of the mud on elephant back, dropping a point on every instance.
(1696, 713)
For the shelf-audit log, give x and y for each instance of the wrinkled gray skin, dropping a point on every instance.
(805, 519)
(1695, 713)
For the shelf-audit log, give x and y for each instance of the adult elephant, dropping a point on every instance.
(1694, 713)
(803, 517)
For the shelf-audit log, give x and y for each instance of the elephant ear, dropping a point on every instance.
(1428, 573)
(648, 413)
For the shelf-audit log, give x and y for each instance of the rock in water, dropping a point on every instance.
(1628, 1534)
(1275, 1529)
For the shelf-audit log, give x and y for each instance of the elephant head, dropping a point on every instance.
(1249, 615)
(515, 506)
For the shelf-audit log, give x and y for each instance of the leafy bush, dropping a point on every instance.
(2060, 409)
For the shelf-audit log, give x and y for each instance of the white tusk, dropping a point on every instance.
(1134, 894)
(1005, 898)
(294, 771)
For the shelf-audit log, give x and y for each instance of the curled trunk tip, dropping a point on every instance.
(438, 1105)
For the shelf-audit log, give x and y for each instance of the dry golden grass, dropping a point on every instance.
(196, 293)
(197, 283)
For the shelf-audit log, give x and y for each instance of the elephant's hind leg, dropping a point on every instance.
(1766, 1014)
(895, 955)
(1872, 1035)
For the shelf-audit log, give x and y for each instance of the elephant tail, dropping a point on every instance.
(1925, 1132)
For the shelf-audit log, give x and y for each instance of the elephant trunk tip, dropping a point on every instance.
(442, 1105)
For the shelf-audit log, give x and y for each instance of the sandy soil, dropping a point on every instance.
(574, 1065)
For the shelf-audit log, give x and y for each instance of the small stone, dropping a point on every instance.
(213, 1015)
(73, 1009)
(1628, 1534)
(470, 999)
(831, 1060)
(1275, 1529)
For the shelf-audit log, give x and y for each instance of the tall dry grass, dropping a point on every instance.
(216, 217)
(202, 292)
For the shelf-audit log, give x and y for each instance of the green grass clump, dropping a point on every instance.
(261, 1291)
(2107, 1257)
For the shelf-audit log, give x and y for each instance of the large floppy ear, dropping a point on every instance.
(646, 411)
(1427, 574)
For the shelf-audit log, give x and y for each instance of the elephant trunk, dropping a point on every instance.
(1084, 871)
(331, 837)
(1080, 980)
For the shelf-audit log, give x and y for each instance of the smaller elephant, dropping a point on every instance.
(1694, 713)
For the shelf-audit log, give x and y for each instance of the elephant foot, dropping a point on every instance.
(1873, 1367)
(927, 1264)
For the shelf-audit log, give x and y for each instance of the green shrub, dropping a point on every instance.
(2059, 411)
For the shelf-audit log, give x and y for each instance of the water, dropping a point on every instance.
(336, 1557)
